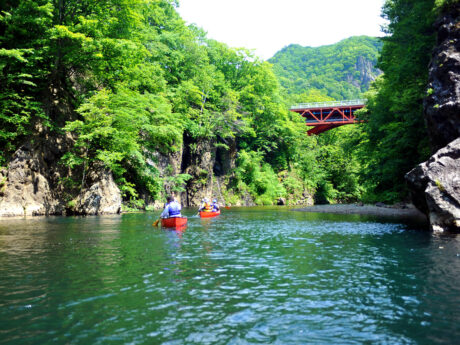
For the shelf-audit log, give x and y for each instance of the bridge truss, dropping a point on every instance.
(323, 116)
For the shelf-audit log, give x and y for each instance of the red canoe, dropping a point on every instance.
(173, 222)
(209, 214)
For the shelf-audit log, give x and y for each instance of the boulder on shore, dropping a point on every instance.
(435, 188)
(102, 196)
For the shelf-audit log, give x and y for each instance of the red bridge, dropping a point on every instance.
(323, 116)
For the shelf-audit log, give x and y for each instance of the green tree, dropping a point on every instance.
(24, 65)
(396, 138)
(120, 130)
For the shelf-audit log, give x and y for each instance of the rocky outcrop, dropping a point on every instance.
(435, 187)
(35, 183)
(435, 184)
(27, 189)
(102, 196)
(367, 73)
(442, 105)
(32, 184)
(198, 161)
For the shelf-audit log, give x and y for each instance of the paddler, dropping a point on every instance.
(205, 206)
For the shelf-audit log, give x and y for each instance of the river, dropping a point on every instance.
(249, 276)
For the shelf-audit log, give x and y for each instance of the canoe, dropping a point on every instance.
(209, 214)
(173, 222)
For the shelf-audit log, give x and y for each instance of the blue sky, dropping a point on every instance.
(266, 26)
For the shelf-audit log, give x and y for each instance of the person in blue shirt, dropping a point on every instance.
(215, 206)
(172, 208)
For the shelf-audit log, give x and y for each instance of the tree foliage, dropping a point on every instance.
(130, 80)
(395, 135)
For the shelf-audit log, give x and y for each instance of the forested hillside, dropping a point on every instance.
(343, 70)
(134, 87)
(393, 138)
(124, 86)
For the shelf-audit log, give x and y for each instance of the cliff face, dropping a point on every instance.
(34, 183)
(442, 106)
(435, 184)
(198, 161)
(27, 185)
(367, 73)
(209, 167)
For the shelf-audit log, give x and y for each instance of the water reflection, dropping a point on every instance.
(178, 230)
(262, 275)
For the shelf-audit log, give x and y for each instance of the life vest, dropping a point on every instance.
(174, 209)
(207, 207)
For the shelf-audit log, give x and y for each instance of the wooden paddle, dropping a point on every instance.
(156, 222)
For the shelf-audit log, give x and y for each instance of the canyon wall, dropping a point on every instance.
(435, 184)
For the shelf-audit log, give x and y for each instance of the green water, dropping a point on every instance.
(250, 276)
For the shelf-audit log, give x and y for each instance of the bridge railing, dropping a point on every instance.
(329, 104)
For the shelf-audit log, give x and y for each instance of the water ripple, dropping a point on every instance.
(251, 276)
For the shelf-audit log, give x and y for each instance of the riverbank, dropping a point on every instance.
(405, 211)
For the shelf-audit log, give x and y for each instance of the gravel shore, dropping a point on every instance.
(406, 211)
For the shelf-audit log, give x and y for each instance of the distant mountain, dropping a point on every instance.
(343, 70)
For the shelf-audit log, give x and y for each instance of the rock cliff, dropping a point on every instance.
(27, 186)
(435, 184)
(100, 195)
(209, 166)
(367, 73)
(33, 184)
(442, 105)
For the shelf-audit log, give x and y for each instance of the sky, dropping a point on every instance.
(266, 26)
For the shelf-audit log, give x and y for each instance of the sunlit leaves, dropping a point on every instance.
(24, 30)
(130, 79)
(396, 138)
(118, 129)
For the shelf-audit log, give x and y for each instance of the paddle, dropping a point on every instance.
(155, 223)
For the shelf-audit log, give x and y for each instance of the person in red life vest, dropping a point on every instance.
(205, 206)
(172, 208)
